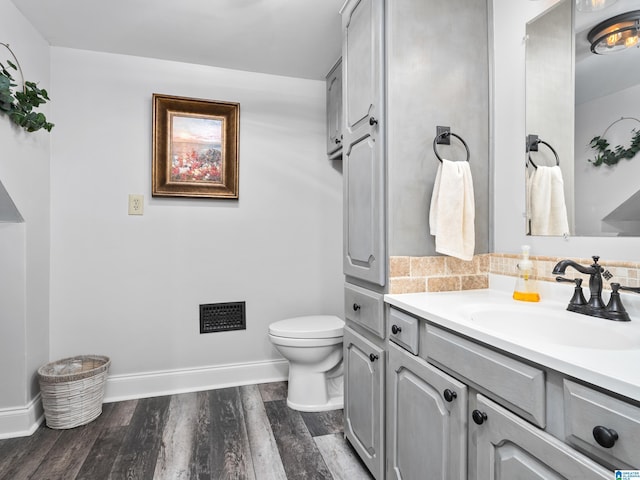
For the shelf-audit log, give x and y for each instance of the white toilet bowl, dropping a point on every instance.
(313, 347)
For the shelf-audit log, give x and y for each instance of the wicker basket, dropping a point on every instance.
(72, 390)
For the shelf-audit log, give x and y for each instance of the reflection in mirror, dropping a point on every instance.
(550, 116)
(601, 200)
(607, 106)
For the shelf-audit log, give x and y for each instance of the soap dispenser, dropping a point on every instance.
(526, 288)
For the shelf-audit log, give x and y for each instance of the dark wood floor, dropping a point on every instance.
(232, 433)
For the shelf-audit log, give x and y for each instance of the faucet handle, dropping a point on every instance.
(629, 289)
(577, 281)
(578, 296)
(615, 309)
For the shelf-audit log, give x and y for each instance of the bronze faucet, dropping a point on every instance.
(595, 307)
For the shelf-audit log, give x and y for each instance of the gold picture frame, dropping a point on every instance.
(195, 147)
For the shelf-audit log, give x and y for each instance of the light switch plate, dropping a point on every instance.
(136, 204)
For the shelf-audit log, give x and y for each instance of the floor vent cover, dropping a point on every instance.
(222, 317)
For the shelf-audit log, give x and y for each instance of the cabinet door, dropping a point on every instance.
(364, 399)
(427, 428)
(334, 111)
(363, 142)
(508, 447)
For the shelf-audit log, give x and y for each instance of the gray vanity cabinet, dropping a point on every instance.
(364, 399)
(508, 447)
(426, 420)
(363, 141)
(334, 111)
(457, 410)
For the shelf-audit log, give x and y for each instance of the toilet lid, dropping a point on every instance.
(316, 326)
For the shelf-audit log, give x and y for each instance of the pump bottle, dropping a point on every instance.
(526, 288)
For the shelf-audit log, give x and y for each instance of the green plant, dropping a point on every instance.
(19, 104)
(611, 157)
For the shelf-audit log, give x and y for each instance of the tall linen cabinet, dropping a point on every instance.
(404, 71)
(364, 247)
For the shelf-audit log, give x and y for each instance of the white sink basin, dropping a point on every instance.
(544, 325)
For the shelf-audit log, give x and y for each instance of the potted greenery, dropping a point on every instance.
(18, 104)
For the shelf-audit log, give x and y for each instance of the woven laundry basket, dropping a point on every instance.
(72, 390)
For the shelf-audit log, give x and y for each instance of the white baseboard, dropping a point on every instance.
(21, 421)
(169, 382)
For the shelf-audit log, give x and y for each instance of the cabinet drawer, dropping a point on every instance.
(585, 409)
(510, 448)
(519, 386)
(403, 330)
(365, 308)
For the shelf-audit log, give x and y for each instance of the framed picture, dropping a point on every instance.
(195, 147)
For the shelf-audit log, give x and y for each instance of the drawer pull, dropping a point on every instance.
(373, 357)
(356, 307)
(606, 437)
(450, 395)
(478, 416)
(373, 121)
(395, 329)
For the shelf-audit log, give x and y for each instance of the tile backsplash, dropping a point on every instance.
(441, 273)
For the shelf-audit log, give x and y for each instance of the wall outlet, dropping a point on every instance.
(136, 204)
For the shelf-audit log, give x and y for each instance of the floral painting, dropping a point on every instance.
(195, 147)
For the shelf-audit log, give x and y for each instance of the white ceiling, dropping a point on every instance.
(297, 38)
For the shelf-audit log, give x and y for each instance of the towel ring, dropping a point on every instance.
(444, 135)
(532, 146)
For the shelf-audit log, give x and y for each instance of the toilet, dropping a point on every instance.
(313, 347)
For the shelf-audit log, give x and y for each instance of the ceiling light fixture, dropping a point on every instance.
(615, 34)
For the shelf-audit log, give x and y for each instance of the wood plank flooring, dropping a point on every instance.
(238, 433)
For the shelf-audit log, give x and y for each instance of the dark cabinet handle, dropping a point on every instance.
(478, 416)
(395, 329)
(356, 307)
(606, 437)
(372, 121)
(337, 141)
(373, 357)
(449, 395)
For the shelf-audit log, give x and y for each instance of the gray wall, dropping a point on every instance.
(437, 74)
(137, 298)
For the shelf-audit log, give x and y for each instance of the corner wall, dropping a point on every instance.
(24, 247)
(129, 286)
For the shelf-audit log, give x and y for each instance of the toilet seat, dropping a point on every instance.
(304, 342)
(315, 326)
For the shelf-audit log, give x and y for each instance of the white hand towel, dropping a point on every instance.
(452, 211)
(547, 209)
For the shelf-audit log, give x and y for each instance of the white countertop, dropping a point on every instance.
(613, 367)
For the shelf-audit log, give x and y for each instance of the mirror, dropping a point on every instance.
(549, 107)
(569, 101)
